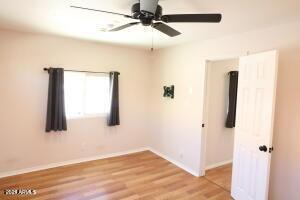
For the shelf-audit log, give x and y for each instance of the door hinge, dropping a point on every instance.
(271, 149)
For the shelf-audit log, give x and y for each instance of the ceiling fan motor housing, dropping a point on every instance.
(148, 6)
(145, 17)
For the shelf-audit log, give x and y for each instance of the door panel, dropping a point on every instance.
(254, 126)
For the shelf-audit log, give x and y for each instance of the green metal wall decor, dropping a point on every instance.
(169, 91)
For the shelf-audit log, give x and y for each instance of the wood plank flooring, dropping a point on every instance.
(220, 176)
(139, 176)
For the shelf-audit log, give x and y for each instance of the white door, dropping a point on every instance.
(254, 126)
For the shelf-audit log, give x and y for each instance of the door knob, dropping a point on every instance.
(263, 148)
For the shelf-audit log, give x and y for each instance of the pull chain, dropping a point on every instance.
(152, 44)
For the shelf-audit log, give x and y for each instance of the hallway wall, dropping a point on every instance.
(219, 139)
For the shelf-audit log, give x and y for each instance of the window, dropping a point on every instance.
(86, 94)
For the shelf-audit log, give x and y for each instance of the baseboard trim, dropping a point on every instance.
(175, 162)
(219, 164)
(81, 160)
(69, 162)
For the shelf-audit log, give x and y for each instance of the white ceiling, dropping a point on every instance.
(56, 17)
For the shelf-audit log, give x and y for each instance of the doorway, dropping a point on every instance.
(255, 108)
(219, 138)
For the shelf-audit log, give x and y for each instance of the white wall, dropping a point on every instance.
(177, 123)
(23, 97)
(219, 139)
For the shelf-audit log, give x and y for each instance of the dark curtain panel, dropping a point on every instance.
(113, 115)
(56, 117)
(233, 86)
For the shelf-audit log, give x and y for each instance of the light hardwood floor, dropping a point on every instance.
(220, 176)
(140, 176)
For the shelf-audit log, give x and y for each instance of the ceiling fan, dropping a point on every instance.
(149, 13)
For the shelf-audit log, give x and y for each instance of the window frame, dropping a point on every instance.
(83, 114)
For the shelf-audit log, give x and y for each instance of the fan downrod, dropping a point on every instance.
(146, 18)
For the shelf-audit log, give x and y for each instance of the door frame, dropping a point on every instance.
(205, 104)
(205, 120)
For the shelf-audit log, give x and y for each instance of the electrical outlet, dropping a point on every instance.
(83, 145)
(11, 160)
(180, 154)
(100, 148)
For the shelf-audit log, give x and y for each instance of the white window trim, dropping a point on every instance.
(84, 115)
(87, 116)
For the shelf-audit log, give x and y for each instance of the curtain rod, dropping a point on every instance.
(47, 69)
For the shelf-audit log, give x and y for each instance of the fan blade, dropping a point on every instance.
(165, 29)
(208, 18)
(124, 26)
(91, 9)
